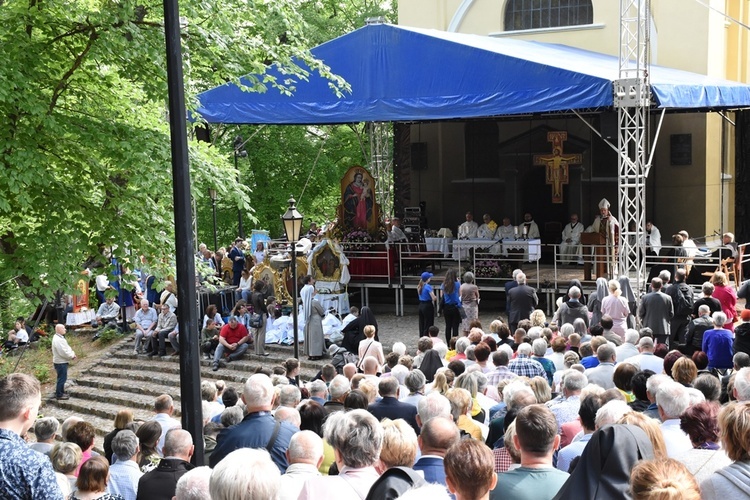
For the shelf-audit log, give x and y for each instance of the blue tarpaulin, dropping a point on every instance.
(398, 73)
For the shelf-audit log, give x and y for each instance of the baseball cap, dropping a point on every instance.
(426, 276)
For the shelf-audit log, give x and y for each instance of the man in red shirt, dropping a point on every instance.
(233, 338)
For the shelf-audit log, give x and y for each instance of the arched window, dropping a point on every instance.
(534, 14)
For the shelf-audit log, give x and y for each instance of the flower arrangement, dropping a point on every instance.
(487, 269)
(358, 240)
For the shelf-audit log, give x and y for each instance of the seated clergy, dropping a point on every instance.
(570, 248)
(489, 229)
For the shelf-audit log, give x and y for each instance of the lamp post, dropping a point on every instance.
(239, 152)
(292, 226)
(212, 194)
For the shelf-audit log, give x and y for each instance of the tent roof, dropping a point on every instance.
(398, 73)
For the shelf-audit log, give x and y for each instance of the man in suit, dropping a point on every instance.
(161, 482)
(438, 434)
(656, 311)
(390, 407)
(522, 301)
(602, 374)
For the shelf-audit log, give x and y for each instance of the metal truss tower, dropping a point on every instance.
(381, 163)
(632, 101)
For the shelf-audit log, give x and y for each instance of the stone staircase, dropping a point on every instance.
(121, 379)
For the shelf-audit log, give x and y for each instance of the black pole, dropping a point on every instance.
(240, 229)
(294, 305)
(213, 206)
(190, 376)
(121, 301)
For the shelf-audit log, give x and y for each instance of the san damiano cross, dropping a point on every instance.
(557, 164)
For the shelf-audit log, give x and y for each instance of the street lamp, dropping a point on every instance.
(239, 152)
(212, 194)
(292, 220)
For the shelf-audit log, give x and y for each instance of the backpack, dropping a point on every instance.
(342, 357)
(256, 320)
(683, 299)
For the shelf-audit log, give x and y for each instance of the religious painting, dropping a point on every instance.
(81, 297)
(326, 264)
(273, 284)
(557, 164)
(359, 209)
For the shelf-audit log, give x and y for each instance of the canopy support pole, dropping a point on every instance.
(632, 94)
(381, 163)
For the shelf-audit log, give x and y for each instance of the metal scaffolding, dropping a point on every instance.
(632, 101)
(381, 164)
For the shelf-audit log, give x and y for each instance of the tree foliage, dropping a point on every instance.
(84, 144)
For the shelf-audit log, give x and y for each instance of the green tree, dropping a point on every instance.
(84, 143)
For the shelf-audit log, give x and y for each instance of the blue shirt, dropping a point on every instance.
(424, 296)
(255, 431)
(123, 479)
(24, 473)
(452, 298)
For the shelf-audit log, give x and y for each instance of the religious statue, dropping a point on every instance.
(557, 164)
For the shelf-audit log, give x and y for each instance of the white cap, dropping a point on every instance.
(604, 203)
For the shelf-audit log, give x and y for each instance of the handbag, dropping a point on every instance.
(462, 312)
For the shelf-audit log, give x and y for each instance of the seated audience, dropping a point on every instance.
(357, 437)
(537, 439)
(663, 479)
(732, 481)
(469, 470)
(92, 481)
(604, 468)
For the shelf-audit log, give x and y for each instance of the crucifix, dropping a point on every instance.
(557, 164)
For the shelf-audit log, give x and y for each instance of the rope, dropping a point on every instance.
(320, 151)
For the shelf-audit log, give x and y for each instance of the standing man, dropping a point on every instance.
(62, 354)
(570, 249)
(237, 256)
(468, 229)
(25, 473)
(656, 311)
(522, 301)
(306, 294)
(606, 225)
(682, 300)
(652, 239)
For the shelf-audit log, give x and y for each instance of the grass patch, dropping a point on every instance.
(36, 359)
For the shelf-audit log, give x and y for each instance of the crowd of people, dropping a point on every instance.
(580, 405)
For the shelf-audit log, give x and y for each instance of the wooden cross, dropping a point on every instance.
(557, 164)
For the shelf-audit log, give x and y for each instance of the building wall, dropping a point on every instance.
(685, 35)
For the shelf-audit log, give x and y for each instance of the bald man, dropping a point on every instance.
(437, 435)
(62, 354)
(305, 455)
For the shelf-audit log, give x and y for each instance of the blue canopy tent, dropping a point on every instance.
(398, 73)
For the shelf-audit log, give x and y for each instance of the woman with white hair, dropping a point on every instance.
(356, 438)
(469, 293)
(616, 307)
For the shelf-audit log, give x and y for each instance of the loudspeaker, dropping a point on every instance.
(608, 125)
(418, 155)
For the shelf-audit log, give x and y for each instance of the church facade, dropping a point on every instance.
(555, 165)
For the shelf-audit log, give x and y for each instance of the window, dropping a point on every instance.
(534, 14)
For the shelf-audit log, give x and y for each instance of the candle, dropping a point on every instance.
(525, 229)
(515, 230)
